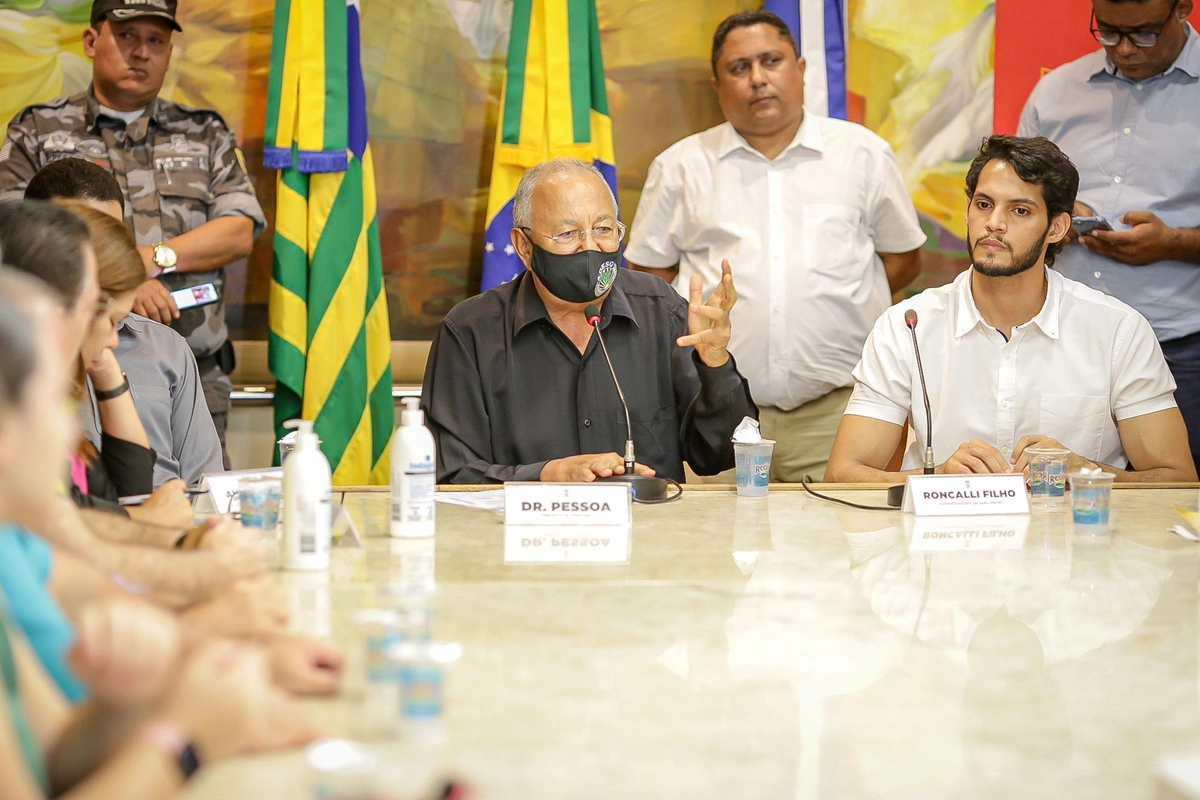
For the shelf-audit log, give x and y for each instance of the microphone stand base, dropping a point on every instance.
(895, 497)
(646, 488)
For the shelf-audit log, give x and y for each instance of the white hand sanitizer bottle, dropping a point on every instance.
(414, 475)
(307, 511)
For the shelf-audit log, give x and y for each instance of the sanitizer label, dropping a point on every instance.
(315, 525)
(414, 503)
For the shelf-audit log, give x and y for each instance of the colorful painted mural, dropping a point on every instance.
(921, 75)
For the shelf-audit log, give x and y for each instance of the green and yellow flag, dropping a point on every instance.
(330, 342)
(553, 104)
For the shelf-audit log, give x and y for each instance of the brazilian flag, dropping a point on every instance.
(330, 342)
(553, 104)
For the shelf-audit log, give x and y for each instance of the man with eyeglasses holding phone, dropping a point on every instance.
(517, 387)
(1129, 117)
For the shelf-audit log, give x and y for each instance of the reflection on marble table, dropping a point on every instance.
(781, 648)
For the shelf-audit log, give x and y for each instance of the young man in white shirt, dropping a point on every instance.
(1015, 355)
(812, 214)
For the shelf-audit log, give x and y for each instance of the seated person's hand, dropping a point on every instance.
(253, 608)
(1020, 456)
(127, 651)
(237, 547)
(105, 371)
(227, 703)
(305, 666)
(975, 457)
(587, 467)
(225, 533)
(168, 507)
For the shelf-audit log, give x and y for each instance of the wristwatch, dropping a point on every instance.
(173, 742)
(165, 258)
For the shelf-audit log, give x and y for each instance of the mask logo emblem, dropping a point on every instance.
(605, 278)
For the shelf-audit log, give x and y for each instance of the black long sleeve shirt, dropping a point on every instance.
(121, 469)
(506, 391)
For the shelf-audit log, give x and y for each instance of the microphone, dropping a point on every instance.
(593, 317)
(910, 319)
(645, 487)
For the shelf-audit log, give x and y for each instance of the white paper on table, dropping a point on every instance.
(488, 500)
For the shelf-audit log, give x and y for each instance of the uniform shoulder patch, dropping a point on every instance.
(43, 110)
(58, 102)
(196, 115)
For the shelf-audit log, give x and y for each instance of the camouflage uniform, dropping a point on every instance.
(178, 167)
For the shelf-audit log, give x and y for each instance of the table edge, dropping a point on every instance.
(775, 487)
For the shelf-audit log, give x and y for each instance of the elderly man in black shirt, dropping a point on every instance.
(517, 388)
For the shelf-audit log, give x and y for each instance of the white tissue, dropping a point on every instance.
(747, 431)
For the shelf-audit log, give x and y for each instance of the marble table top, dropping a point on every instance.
(782, 647)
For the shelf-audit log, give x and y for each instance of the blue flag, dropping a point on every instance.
(820, 30)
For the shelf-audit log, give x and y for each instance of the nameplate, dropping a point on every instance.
(944, 534)
(566, 544)
(222, 496)
(961, 495)
(567, 504)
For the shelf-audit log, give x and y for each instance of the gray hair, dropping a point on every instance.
(523, 199)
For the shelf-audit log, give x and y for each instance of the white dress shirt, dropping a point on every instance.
(1072, 372)
(802, 233)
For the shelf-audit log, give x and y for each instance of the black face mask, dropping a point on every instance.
(575, 277)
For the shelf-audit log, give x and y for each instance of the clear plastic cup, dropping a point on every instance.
(259, 500)
(416, 609)
(1048, 475)
(381, 630)
(343, 769)
(752, 467)
(339, 769)
(421, 670)
(1091, 494)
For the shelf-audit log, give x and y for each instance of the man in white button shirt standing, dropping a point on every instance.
(814, 217)
(1016, 356)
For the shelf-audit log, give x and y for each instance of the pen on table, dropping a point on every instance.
(138, 499)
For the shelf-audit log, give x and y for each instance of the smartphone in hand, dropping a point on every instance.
(1085, 225)
(193, 296)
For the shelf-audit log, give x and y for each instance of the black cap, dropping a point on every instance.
(129, 9)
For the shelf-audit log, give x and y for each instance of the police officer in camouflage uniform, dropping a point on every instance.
(187, 194)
